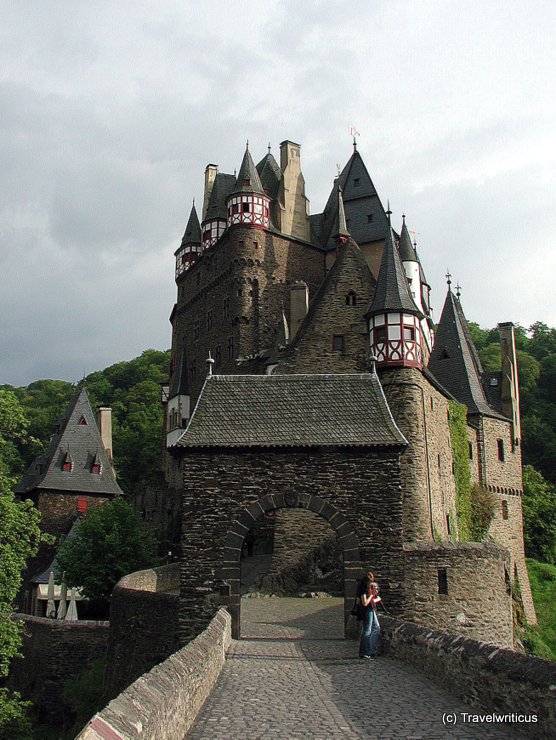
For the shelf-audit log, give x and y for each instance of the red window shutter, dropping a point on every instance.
(82, 504)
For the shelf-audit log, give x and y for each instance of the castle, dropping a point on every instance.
(329, 406)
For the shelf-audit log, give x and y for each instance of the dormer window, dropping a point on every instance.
(82, 422)
(82, 504)
(369, 218)
(67, 463)
(356, 182)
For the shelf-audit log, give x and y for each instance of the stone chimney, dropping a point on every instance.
(104, 421)
(211, 170)
(509, 391)
(293, 205)
(299, 305)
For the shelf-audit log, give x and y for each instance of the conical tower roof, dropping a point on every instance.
(407, 250)
(77, 435)
(454, 360)
(192, 234)
(248, 180)
(392, 289)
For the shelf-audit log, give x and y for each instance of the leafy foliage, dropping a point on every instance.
(457, 417)
(19, 539)
(84, 693)
(539, 516)
(111, 541)
(541, 640)
(483, 505)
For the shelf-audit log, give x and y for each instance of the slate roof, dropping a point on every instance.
(392, 289)
(292, 411)
(192, 234)
(270, 174)
(454, 360)
(42, 577)
(248, 180)
(361, 201)
(407, 250)
(78, 435)
(180, 379)
(222, 187)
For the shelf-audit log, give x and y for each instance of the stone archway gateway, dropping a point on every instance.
(341, 526)
(323, 443)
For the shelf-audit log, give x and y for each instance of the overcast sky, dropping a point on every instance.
(110, 111)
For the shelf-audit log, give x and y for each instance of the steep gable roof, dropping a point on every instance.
(365, 216)
(454, 360)
(222, 187)
(292, 411)
(270, 174)
(392, 289)
(407, 250)
(77, 439)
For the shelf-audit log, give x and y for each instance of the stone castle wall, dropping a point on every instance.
(476, 580)
(230, 301)
(54, 652)
(143, 625)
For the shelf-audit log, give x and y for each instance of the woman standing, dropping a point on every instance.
(370, 631)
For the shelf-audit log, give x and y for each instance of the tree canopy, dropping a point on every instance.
(110, 542)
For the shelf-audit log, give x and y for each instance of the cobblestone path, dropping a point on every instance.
(292, 675)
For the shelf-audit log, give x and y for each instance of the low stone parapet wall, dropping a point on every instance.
(496, 680)
(143, 625)
(164, 703)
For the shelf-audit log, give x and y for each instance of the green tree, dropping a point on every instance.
(19, 540)
(111, 542)
(539, 516)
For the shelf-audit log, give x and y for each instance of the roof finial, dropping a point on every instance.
(458, 289)
(403, 217)
(354, 132)
(372, 360)
(193, 202)
(247, 144)
(389, 212)
(338, 170)
(269, 147)
(210, 363)
(448, 278)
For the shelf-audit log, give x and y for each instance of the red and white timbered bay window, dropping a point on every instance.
(249, 209)
(396, 339)
(185, 257)
(212, 231)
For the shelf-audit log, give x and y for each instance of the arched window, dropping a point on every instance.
(351, 298)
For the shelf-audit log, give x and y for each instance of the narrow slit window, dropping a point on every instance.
(442, 581)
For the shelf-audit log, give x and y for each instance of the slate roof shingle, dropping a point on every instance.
(392, 289)
(292, 411)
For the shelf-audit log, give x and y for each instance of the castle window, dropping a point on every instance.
(67, 463)
(338, 343)
(369, 218)
(226, 308)
(351, 298)
(246, 207)
(409, 333)
(82, 504)
(442, 581)
(196, 330)
(448, 525)
(209, 320)
(505, 510)
(380, 334)
(96, 468)
(241, 243)
(500, 443)
(256, 245)
(356, 182)
(432, 403)
(470, 451)
(82, 422)
(230, 348)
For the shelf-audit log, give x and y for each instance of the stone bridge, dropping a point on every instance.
(292, 674)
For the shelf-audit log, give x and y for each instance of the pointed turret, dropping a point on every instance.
(215, 220)
(190, 247)
(454, 360)
(418, 286)
(248, 205)
(394, 316)
(407, 250)
(179, 401)
(342, 234)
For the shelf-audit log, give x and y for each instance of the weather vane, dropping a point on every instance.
(353, 132)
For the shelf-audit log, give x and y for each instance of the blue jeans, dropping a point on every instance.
(370, 633)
